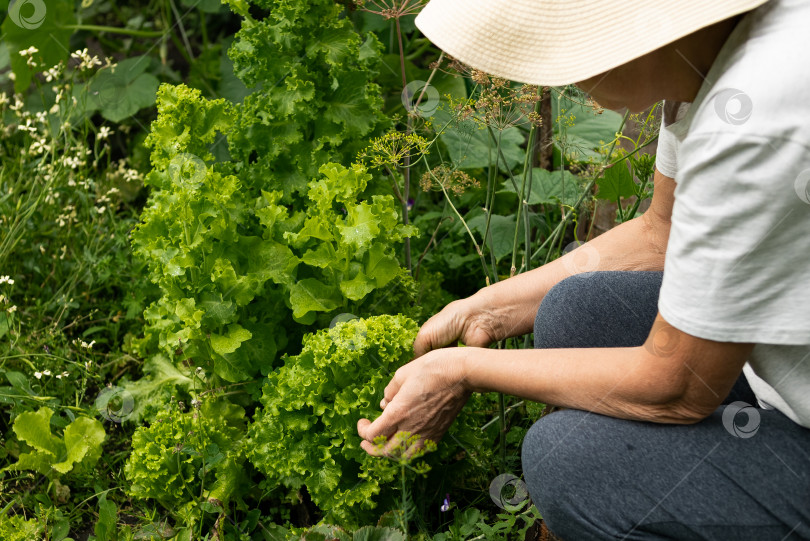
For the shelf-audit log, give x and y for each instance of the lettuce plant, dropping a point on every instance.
(76, 451)
(185, 456)
(252, 243)
(306, 433)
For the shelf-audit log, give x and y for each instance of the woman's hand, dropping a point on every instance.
(469, 320)
(424, 397)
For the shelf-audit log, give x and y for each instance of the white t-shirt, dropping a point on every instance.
(738, 260)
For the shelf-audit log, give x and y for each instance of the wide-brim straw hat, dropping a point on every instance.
(559, 42)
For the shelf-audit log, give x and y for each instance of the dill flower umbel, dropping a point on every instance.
(393, 148)
(448, 179)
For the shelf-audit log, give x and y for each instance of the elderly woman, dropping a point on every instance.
(683, 362)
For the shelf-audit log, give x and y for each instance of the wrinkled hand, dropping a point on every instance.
(424, 397)
(466, 320)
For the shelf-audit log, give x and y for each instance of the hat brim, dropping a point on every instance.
(560, 42)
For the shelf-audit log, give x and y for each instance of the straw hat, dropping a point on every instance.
(558, 42)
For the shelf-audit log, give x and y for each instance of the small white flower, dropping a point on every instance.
(104, 132)
(29, 51)
(46, 372)
(12, 309)
(6, 280)
(38, 375)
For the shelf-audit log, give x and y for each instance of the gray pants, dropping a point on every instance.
(595, 477)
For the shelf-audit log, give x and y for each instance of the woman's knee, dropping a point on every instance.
(561, 467)
(552, 327)
(598, 309)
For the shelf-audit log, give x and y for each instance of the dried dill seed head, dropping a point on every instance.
(392, 148)
(499, 104)
(502, 106)
(391, 9)
(450, 179)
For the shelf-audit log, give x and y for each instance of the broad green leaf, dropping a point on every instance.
(217, 310)
(549, 187)
(275, 261)
(471, 147)
(503, 233)
(589, 131)
(122, 90)
(37, 461)
(4, 326)
(19, 382)
(322, 256)
(381, 265)
(83, 439)
(34, 428)
(230, 342)
(617, 182)
(160, 379)
(105, 528)
(312, 295)
(362, 225)
(358, 287)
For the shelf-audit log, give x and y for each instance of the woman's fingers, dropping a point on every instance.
(384, 425)
(441, 330)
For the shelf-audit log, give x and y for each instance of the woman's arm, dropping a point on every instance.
(681, 383)
(508, 308)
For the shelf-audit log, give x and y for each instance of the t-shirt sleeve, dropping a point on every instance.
(666, 157)
(738, 259)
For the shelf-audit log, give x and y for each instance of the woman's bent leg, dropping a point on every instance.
(594, 477)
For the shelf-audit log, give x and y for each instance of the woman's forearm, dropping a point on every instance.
(635, 245)
(618, 382)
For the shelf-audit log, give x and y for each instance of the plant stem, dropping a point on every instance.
(116, 30)
(502, 419)
(407, 161)
(527, 166)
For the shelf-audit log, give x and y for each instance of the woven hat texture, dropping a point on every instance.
(559, 42)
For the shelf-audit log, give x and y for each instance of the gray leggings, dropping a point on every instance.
(595, 477)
